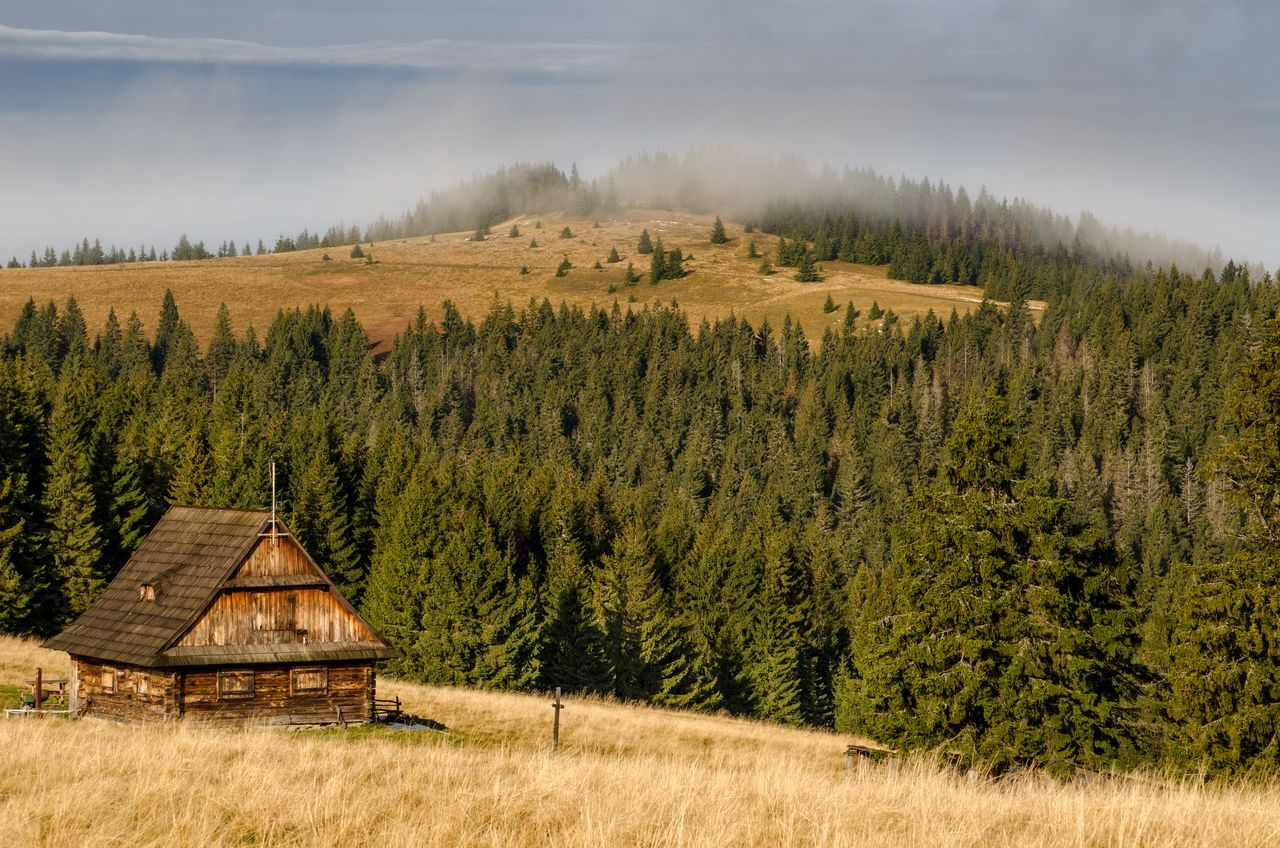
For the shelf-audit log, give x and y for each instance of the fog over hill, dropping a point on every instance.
(242, 123)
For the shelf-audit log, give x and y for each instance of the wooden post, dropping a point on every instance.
(555, 725)
(39, 687)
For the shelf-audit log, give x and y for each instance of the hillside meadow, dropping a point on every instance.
(625, 775)
(408, 273)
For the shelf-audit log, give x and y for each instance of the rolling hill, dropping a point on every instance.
(408, 273)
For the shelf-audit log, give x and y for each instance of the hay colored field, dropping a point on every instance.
(625, 776)
(386, 294)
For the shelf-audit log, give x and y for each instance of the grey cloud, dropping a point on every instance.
(434, 54)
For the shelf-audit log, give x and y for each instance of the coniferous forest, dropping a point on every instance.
(1040, 540)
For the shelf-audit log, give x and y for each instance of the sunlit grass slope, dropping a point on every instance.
(386, 295)
(624, 776)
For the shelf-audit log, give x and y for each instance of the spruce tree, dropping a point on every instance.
(657, 263)
(644, 245)
(718, 235)
(321, 514)
(75, 538)
(806, 270)
(1003, 630)
(412, 532)
(222, 347)
(613, 255)
(644, 646)
(192, 479)
(571, 653)
(14, 595)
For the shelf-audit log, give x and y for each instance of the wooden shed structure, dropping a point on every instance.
(221, 615)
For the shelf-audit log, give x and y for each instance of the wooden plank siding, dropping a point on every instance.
(275, 617)
(348, 687)
(132, 693)
(281, 558)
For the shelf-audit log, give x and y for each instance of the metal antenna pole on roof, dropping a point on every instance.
(273, 504)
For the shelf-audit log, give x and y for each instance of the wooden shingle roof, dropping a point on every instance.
(188, 558)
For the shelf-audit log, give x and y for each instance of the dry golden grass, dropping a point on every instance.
(413, 272)
(19, 659)
(625, 776)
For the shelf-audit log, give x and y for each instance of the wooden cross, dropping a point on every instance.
(555, 726)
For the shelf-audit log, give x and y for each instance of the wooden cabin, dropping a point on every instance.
(221, 615)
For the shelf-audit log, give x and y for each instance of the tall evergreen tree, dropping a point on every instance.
(1006, 632)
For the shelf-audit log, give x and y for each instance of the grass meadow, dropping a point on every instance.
(407, 273)
(625, 776)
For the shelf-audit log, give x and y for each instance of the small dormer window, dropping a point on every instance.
(146, 592)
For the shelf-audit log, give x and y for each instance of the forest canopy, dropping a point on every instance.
(1006, 538)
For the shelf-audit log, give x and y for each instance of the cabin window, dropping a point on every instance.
(144, 684)
(309, 681)
(235, 683)
(109, 681)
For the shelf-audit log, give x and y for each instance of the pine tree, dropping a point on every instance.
(165, 330)
(1003, 630)
(14, 595)
(1223, 660)
(806, 270)
(192, 479)
(1224, 678)
(644, 245)
(566, 233)
(222, 347)
(321, 514)
(613, 255)
(571, 653)
(75, 537)
(411, 533)
(718, 235)
(563, 268)
(514, 232)
(644, 646)
(657, 263)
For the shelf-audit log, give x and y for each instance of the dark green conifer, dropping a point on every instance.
(718, 235)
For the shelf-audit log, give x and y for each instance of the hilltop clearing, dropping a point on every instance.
(385, 294)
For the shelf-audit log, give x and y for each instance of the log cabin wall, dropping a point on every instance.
(280, 694)
(276, 617)
(124, 692)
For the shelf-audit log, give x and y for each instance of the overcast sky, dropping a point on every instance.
(135, 121)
